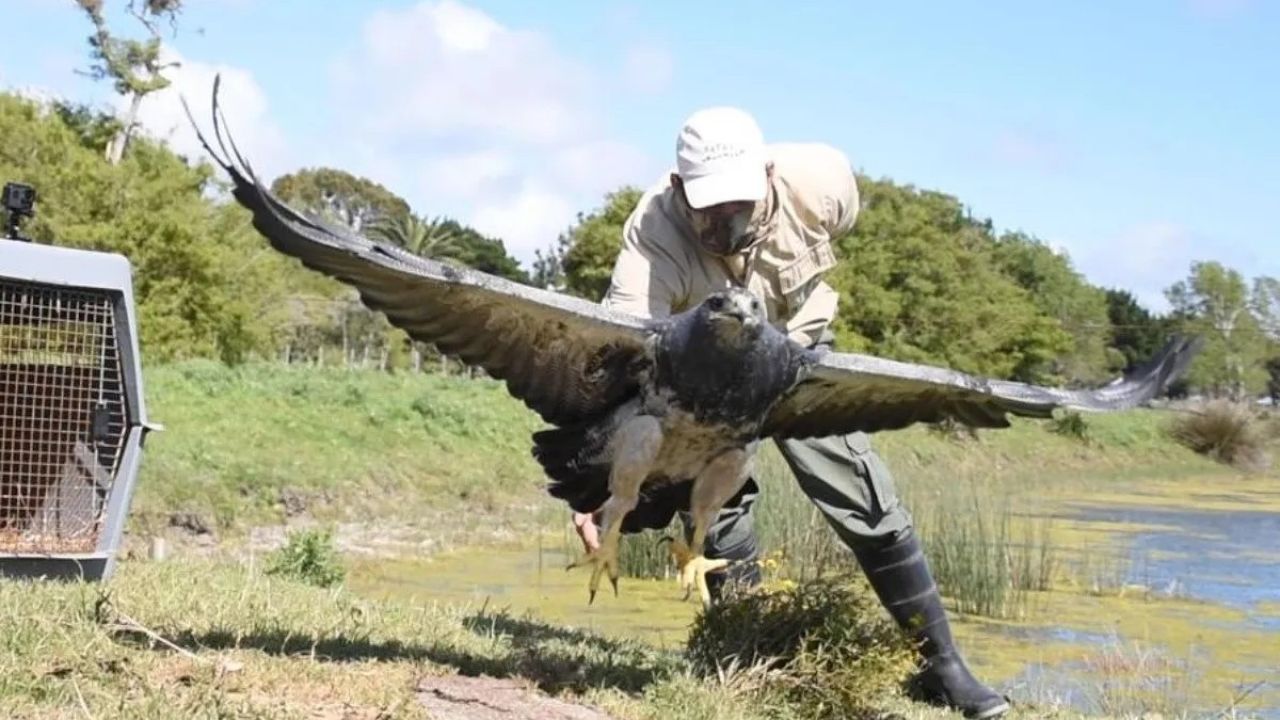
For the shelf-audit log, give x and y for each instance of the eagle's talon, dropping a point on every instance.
(693, 569)
(604, 560)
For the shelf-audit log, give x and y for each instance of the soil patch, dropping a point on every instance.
(487, 698)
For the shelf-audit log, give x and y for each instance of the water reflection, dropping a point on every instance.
(1227, 557)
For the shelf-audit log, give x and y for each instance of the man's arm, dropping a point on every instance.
(828, 185)
(819, 309)
(844, 201)
(831, 175)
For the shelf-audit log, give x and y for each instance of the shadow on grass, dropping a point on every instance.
(554, 658)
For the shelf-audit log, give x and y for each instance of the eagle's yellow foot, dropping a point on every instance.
(693, 569)
(604, 560)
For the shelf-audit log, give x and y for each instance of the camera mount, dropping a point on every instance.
(19, 202)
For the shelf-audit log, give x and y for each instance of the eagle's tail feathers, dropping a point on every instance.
(565, 456)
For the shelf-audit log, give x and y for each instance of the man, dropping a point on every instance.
(738, 212)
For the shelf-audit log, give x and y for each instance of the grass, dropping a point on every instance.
(260, 443)
(254, 444)
(310, 556)
(266, 443)
(213, 639)
(210, 638)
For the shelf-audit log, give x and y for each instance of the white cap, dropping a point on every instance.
(720, 156)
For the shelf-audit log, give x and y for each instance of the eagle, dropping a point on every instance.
(647, 417)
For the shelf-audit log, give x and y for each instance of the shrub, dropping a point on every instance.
(309, 556)
(1073, 425)
(1226, 431)
(822, 648)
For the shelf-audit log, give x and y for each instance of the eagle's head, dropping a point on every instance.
(733, 315)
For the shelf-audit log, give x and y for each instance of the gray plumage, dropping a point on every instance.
(716, 377)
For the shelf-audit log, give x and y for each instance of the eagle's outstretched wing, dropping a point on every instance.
(844, 392)
(566, 358)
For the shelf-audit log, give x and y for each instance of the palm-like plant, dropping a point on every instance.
(434, 238)
(427, 238)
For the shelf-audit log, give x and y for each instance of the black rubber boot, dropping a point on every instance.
(899, 573)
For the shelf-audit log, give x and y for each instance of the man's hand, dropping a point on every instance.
(585, 524)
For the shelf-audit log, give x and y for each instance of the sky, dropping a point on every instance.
(1137, 137)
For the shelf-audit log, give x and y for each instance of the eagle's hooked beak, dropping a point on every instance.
(736, 309)
(747, 319)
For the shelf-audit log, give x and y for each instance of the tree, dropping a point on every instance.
(1273, 379)
(95, 129)
(590, 248)
(340, 196)
(1214, 301)
(1266, 306)
(918, 281)
(1135, 332)
(548, 267)
(361, 204)
(134, 66)
(202, 286)
(1063, 294)
(483, 253)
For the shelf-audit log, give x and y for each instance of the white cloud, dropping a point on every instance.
(241, 99)
(467, 117)
(586, 167)
(467, 175)
(443, 66)
(528, 220)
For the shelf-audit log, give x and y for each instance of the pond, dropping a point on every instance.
(1196, 623)
(534, 580)
(1197, 620)
(1231, 557)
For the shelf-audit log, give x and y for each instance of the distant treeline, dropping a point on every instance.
(921, 280)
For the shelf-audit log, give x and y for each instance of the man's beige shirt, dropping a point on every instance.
(661, 270)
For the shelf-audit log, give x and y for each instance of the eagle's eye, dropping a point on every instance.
(716, 302)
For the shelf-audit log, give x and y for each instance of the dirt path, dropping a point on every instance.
(485, 698)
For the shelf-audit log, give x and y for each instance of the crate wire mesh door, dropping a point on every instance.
(62, 416)
(72, 415)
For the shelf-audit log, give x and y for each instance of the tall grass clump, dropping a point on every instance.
(1230, 432)
(644, 555)
(820, 649)
(791, 529)
(983, 555)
